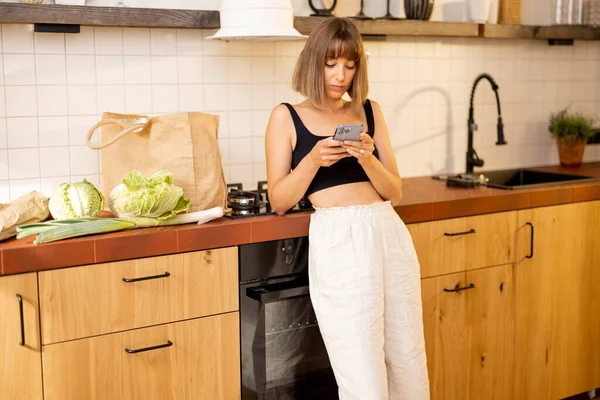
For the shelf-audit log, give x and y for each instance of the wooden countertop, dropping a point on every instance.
(425, 199)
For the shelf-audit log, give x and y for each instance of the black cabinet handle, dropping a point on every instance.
(22, 342)
(145, 278)
(160, 346)
(460, 233)
(457, 288)
(531, 243)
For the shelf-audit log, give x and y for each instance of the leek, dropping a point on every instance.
(51, 231)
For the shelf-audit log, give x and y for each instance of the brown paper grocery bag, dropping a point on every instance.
(185, 144)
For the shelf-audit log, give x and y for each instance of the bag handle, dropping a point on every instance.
(134, 127)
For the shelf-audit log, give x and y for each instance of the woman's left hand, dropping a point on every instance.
(361, 150)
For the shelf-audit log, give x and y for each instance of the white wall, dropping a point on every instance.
(53, 87)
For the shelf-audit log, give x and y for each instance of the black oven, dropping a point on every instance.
(282, 352)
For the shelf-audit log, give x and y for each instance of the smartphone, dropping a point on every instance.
(348, 132)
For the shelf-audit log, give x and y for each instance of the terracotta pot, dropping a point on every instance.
(570, 151)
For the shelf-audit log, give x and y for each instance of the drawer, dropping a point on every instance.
(104, 298)
(460, 244)
(196, 359)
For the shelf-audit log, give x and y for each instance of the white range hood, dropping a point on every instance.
(257, 20)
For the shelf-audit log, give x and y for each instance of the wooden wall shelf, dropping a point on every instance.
(204, 19)
(398, 28)
(17, 13)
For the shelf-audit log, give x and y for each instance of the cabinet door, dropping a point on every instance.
(490, 318)
(469, 334)
(99, 299)
(197, 359)
(20, 360)
(461, 244)
(446, 336)
(557, 322)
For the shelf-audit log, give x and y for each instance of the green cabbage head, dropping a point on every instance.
(155, 196)
(76, 200)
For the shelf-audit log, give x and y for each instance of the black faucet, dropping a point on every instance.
(472, 158)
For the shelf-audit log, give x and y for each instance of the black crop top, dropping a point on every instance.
(346, 170)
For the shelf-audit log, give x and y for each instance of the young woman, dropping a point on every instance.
(363, 269)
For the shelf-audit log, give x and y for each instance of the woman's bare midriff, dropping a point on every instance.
(351, 194)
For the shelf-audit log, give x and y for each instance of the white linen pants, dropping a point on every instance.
(365, 288)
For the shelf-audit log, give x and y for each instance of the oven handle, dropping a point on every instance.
(279, 291)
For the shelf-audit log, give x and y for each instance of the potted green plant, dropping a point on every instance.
(571, 130)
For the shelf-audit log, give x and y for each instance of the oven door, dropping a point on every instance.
(283, 355)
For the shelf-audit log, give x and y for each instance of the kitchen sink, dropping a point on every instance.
(528, 178)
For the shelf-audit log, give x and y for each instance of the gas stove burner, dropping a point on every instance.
(247, 203)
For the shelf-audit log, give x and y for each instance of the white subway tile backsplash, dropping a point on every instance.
(51, 70)
(3, 134)
(49, 43)
(22, 132)
(109, 70)
(263, 69)
(164, 70)
(108, 41)
(240, 124)
(52, 100)
(82, 100)
(263, 49)
(240, 70)
(163, 42)
(240, 97)
(82, 42)
(19, 187)
(285, 49)
(54, 161)
(136, 41)
(53, 131)
(78, 128)
(138, 99)
(260, 119)
(3, 165)
(215, 69)
(216, 97)
(19, 69)
(111, 98)
(81, 69)
(190, 70)
(165, 99)
(263, 96)
(21, 101)
(17, 38)
(191, 98)
(138, 70)
(83, 160)
(50, 184)
(24, 163)
(284, 68)
(242, 173)
(189, 42)
(258, 151)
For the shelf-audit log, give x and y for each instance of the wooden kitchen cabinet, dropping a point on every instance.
(557, 324)
(105, 298)
(198, 359)
(461, 244)
(469, 333)
(20, 357)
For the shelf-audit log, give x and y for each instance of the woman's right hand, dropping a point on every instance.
(327, 152)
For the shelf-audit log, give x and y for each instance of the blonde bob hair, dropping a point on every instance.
(333, 38)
